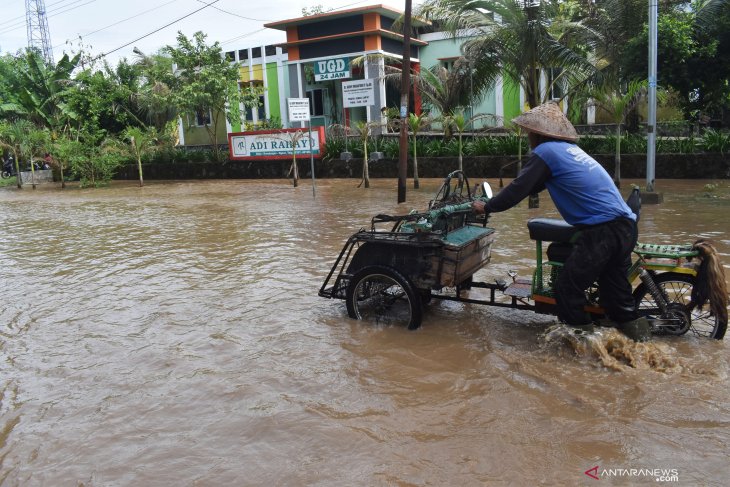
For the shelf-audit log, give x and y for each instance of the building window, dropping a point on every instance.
(260, 111)
(316, 102)
(555, 87)
(242, 54)
(256, 52)
(203, 117)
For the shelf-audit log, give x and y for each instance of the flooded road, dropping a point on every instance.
(172, 335)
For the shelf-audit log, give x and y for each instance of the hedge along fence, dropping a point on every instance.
(504, 144)
(633, 166)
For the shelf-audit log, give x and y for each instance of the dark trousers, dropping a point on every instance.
(601, 254)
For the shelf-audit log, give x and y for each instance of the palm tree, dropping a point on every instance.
(140, 142)
(364, 130)
(11, 137)
(153, 97)
(618, 106)
(65, 150)
(292, 139)
(444, 90)
(415, 124)
(35, 142)
(524, 37)
(448, 90)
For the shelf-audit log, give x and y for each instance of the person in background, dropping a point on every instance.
(47, 161)
(586, 197)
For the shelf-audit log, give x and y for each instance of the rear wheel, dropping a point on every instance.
(678, 290)
(384, 296)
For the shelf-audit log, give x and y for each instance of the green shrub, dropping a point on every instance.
(333, 147)
(715, 141)
(391, 148)
(676, 145)
(510, 144)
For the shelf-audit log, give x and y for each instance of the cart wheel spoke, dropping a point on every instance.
(383, 296)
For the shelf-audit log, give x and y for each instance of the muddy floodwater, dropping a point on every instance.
(172, 335)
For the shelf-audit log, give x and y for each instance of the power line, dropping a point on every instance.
(21, 24)
(19, 17)
(124, 20)
(157, 30)
(237, 15)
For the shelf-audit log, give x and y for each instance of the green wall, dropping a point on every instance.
(511, 99)
(272, 90)
(451, 48)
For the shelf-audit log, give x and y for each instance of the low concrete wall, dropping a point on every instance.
(633, 166)
(41, 176)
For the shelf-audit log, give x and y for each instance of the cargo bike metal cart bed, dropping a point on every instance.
(387, 273)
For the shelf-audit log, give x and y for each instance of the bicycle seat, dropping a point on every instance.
(551, 230)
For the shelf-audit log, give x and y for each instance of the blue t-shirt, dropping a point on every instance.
(581, 189)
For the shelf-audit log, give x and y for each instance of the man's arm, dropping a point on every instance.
(530, 180)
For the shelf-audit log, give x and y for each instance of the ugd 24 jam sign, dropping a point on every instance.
(275, 144)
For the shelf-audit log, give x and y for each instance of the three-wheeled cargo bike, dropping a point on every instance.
(388, 273)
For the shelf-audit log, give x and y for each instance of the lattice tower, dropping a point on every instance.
(37, 25)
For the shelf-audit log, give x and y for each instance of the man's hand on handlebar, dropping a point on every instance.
(479, 207)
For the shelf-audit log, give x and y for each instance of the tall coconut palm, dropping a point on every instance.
(153, 97)
(524, 37)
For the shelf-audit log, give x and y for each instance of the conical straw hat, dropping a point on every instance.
(547, 119)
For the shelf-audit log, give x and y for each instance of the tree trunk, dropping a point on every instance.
(617, 158)
(139, 167)
(139, 161)
(18, 179)
(461, 166)
(32, 172)
(295, 170)
(416, 183)
(365, 166)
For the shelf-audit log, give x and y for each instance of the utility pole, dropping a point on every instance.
(405, 86)
(37, 27)
(651, 125)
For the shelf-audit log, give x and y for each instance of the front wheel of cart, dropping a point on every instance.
(384, 296)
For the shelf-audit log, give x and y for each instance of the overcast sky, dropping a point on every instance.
(107, 25)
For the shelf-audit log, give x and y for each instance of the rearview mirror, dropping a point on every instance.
(484, 189)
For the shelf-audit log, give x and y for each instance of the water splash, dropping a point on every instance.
(613, 349)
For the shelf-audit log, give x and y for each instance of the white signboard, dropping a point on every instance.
(358, 93)
(298, 109)
(275, 144)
